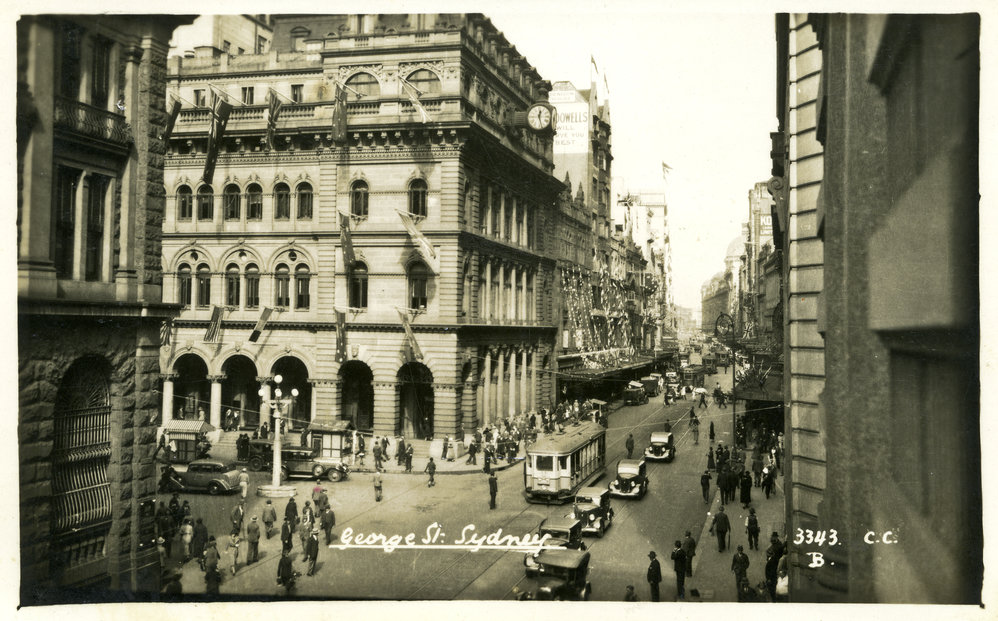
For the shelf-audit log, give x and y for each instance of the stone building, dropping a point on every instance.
(90, 201)
(876, 190)
(714, 300)
(399, 268)
(234, 35)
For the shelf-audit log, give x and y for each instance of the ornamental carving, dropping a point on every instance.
(436, 66)
(377, 70)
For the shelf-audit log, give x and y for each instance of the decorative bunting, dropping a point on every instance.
(260, 324)
(220, 111)
(341, 336)
(417, 235)
(213, 332)
(340, 116)
(273, 113)
(346, 241)
(172, 120)
(410, 347)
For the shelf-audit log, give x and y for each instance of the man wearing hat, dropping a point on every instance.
(243, 483)
(654, 576)
(269, 517)
(327, 521)
(238, 513)
(312, 551)
(253, 537)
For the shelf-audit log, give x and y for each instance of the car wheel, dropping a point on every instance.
(602, 529)
(317, 471)
(214, 489)
(334, 475)
(256, 464)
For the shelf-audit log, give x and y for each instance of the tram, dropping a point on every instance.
(561, 463)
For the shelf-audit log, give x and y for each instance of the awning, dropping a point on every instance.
(330, 424)
(186, 429)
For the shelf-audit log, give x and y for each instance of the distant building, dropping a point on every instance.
(715, 297)
(234, 35)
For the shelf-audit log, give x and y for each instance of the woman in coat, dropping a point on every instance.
(711, 432)
(186, 536)
(232, 548)
(711, 465)
(746, 484)
(198, 541)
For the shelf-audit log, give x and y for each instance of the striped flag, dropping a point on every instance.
(213, 332)
(340, 115)
(172, 120)
(411, 92)
(273, 112)
(410, 347)
(341, 336)
(220, 110)
(260, 324)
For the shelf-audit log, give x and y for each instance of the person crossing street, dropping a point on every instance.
(430, 469)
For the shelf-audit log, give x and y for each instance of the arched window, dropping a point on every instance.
(184, 286)
(206, 208)
(419, 276)
(358, 285)
(302, 279)
(204, 286)
(282, 201)
(232, 285)
(417, 198)
(358, 199)
(185, 203)
(254, 202)
(364, 84)
(230, 201)
(282, 286)
(425, 81)
(252, 286)
(304, 201)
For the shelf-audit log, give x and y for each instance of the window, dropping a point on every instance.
(100, 85)
(296, 92)
(226, 46)
(304, 201)
(282, 286)
(231, 199)
(206, 209)
(364, 84)
(199, 99)
(358, 199)
(247, 90)
(252, 286)
(261, 45)
(282, 201)
(254, 202)
(418, 278)
(96, 186)
(69, 67)
(417, 198)
(232, 286)
(544, 462)
(241, 52)
(204, 286)
(302, 279)
(184, 286)
(426, 82)
(358, 286)
(185, 203)
(63, 231)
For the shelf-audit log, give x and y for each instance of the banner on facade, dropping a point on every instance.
(340, 116)
(220, 111)
(417, 236)
(346, 240)
(410, 347)
(260, 324)
(411, 92)
(170, 122)
(274, 107)
(214, 325)
(165, 332)
(341, 336)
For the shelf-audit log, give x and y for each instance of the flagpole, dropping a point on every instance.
(225, 94)
(289, 100)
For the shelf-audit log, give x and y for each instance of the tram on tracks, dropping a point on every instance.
(561, 463)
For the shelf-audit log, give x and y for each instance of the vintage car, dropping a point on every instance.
(562, 575)
(635, 394)
(661, 447)
(672, 381)
(209, 475)
(564, 533)
(631, 481)
(296, 461)
(592, 509)
(651, 385)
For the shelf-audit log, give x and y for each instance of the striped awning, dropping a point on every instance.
(186, 429)
(329, 424)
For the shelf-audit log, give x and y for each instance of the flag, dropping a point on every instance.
(417, 235)
(165, 331)
(170, 122)
(214, 325)
(410, 346)
(340, 116)
(260, 324)
(665, 170)
(220, 110)
(347, 242)
(273, 112)
(415, 102)
(341, 336)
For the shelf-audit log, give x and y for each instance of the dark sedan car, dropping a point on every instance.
(632, 479)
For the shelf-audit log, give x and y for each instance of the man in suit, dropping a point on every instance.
(690, 548)
(493, 490)
(654, 576)
(312, 551)
(679, 566)
(253, 537)
(739, 566)
(722, 525)
(327, 521)
(238, 513)
(287, 531)
(269, 517)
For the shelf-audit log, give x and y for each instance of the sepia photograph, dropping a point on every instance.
(646, 305)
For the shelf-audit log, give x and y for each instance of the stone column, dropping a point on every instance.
(513, 314)
(511, 406)
(167, 397)
(525, 297)
(487, 302)
(215, 407)
(264, 401)
(523, 382)
(312, 413)
(500, 294)
(487, 388)
(533, 379)
(501, 357)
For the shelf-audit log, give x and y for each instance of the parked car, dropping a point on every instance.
(632, 479)
(296, 461)
(592, 509)
(661, 447)
(209, 475)
(562, 575)
(564, 533)
(635, 394)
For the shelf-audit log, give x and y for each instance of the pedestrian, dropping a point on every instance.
(696, 431)
(377, 484)
(721, 525)
(472, 452)
(400, 452)
(690, 548)
(384, 448)
(243, 483)
(443, 453)
(320, 500)
(307, 522)
(722, 485)
(291, 513)
(630, 595)
(233, 547)
(493, 490)
(176, 512)
(312, 551)
(164, 524)
(328, 521)
(186, 537)
(269, 517)
(752, 530)
(739, 567)
(377, 454)
(431, 469)
(774, 553)
(287, 531)
(746, 485)
(487, 468)
(198, 541)
(286, 572)
(629, 445)
(768, 479)
(162, 446)
(711, 464)
(360, 448)
(408, 458)
(668, 425)
(703, 400)
(212, 576)
(237, 515)
(303, 440)
(705, 486)
(710, 432)
(679, 566)
(757, 467)
(654, 575)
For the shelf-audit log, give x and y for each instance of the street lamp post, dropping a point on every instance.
(277, 406)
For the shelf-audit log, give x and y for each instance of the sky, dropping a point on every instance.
(693, 90)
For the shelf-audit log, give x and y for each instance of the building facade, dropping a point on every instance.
(399, 270)
(90, 118)
(234, 35)
(715, 296)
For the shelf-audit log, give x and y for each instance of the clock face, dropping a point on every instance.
(539, 117)
(723, 325)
